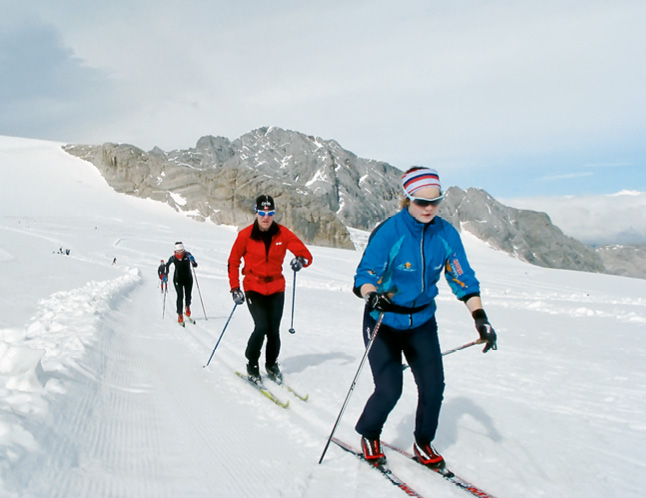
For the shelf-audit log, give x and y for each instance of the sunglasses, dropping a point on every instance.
(421, 202)
(266, 213)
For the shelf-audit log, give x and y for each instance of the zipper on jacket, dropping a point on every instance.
(423, 273)
(423, 270)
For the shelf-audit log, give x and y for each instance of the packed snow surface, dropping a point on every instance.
(102, 394)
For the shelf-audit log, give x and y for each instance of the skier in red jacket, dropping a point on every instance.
(263, 246)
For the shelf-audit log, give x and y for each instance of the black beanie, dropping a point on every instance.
(265, 203)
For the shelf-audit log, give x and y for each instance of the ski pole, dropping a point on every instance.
(164, 308)
(199, 292)
(354, 382)
(225, 327)
(291, 329)
(449, 351)
(464, 346)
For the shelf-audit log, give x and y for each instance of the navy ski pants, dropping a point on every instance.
(421, 348)
(267, 312)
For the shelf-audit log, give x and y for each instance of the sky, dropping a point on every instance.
(103, 395)
(532, 98)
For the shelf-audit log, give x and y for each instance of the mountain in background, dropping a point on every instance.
(322, 189)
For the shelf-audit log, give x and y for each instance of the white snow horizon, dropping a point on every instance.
(102, 397)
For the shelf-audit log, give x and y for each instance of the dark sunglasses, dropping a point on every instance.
(421, 202)
(266, 213)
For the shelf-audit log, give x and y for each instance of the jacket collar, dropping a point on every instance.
(414, 225)
(257, 234)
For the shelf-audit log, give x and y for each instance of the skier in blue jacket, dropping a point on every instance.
(397, 277)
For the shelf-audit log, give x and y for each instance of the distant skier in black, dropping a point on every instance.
(182, 279)
(162, 271)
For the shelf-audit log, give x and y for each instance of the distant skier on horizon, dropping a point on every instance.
(182, 279)
(162, 271)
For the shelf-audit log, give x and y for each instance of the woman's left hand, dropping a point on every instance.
(486, 331)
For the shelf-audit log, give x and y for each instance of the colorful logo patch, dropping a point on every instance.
(455, 267)
(406, 267)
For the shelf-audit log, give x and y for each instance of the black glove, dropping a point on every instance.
(486, 331)
(238, 295)
(379, 302)
(297, 263)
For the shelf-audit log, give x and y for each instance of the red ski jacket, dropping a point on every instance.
(263, 269)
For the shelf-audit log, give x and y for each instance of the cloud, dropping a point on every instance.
(46, 91)
(618, 218)
(411, 82)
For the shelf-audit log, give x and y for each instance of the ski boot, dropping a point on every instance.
(274, 373)
(253, 371)
(428, 456)
(372, 451)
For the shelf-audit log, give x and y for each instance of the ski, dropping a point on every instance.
(181, 324)
(383, 468)
(446, 473)
(191, 319)
(282, 383)
(266, 392)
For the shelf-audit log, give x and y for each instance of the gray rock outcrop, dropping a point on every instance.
(319, 187)
(322, 189)
(624, 260)
(527, 235)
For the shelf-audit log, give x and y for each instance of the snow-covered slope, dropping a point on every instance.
(102, 397)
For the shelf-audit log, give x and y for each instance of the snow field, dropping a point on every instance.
(102, 397)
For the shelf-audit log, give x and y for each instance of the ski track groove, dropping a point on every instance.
(115, 427)
(129, 404)
(122, 407)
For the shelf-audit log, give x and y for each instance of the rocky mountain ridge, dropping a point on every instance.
(320, 189)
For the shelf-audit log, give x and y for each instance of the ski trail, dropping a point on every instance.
(139, 405)
(128, 396)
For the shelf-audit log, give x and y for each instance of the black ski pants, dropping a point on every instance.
(184, 289)
(267, 312)
(421, 348)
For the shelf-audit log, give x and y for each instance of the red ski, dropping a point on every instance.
(383, 468)
(446, 473)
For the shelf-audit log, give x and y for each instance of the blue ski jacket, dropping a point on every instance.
(405, 258)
